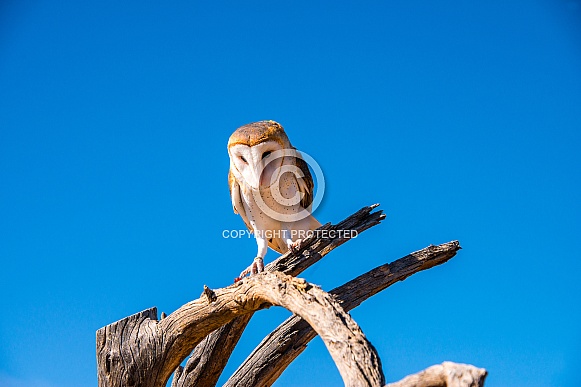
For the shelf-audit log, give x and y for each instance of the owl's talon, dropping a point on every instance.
(245, 272)
(259, 263)
(256, 267)
(295, 246)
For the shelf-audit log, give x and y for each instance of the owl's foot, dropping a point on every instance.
(257, 266)
(294, 246)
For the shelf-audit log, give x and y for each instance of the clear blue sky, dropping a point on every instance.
(462, 118)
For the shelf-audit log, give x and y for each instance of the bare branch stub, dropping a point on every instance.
(209, 293)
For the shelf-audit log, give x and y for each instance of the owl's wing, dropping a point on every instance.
(236, 197)
(306, 185)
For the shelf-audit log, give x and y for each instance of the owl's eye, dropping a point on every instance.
(266, 154)
(243, 159)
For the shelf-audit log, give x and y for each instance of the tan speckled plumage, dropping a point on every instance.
(248, 147)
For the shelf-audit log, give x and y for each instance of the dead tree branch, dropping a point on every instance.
(275, 353)
(142, 351)
(447, 374)
(205, 365)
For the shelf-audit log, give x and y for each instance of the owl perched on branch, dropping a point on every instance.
(271, 189)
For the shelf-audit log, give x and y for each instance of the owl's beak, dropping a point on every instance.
(254, 179)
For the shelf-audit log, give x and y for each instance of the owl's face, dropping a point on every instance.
(253, 164)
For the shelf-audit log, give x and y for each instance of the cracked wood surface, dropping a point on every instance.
(207, 361)
(275, 353)
(142, 351)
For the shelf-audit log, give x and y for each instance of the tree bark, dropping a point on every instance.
(275, 353)
(205, 365)
(141, 351)
(209, 358)
(447, 374)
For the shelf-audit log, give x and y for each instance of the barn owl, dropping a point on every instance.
(271, 189)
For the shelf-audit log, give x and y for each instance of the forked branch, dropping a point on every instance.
(275, 353)
(209, 358)
(142, 351)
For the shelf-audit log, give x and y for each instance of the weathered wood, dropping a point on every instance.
(447, 374)
(127, 350)
(276, 352)
(200, 369)
(141, 351)
(206, 363)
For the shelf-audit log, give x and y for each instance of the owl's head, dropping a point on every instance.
(250, 147)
